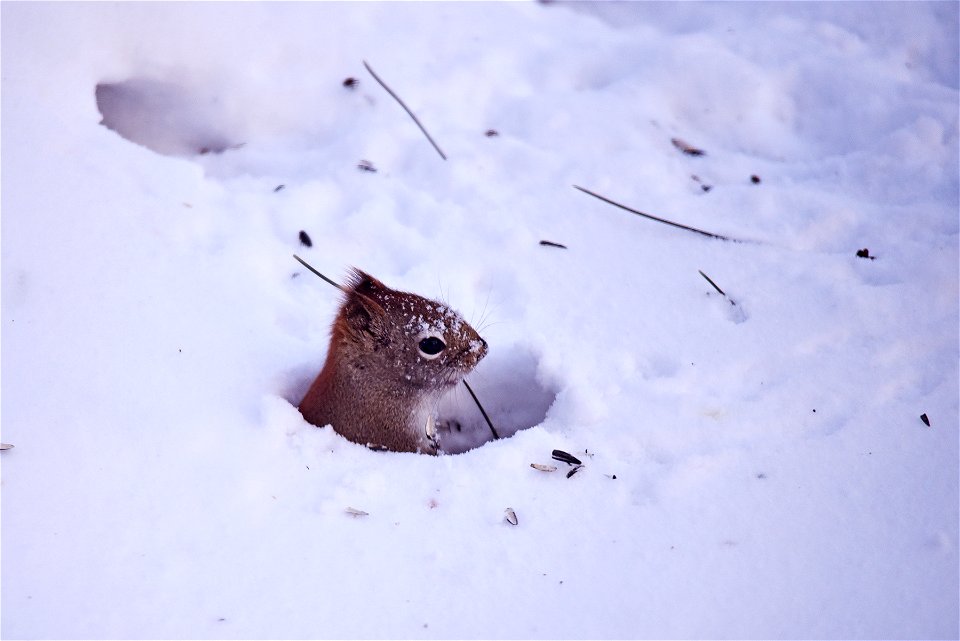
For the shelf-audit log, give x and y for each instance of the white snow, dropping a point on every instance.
(773, 475)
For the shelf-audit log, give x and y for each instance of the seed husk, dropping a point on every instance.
(544, 468)
(566, 457)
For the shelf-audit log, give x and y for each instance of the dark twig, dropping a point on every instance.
(717, 287)
(405, 108)
(307, 265)
(482, 411)
(659, 220)
(711, 282)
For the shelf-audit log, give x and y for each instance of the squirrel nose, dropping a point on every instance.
(484, 343)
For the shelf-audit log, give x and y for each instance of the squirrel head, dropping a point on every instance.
(406, 339)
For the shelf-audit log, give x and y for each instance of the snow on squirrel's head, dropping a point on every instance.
(392, 356)
(414, 341)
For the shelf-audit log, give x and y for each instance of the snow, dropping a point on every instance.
(773, 476)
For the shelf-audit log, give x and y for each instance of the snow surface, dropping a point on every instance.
(773, 476)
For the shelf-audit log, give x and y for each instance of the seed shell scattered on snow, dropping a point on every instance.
(565, 457)
(574, 471)
(544, 468)
(510, 516)
(687, 148)
(352, 511)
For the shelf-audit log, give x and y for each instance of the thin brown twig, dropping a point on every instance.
(308, 266)
(659, 220)
(405, 108)
(717, 287)
(709, 280)
(482, 411)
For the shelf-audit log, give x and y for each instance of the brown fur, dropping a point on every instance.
(377, 387)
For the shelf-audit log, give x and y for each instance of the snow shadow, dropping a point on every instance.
(510, 392)
(165, 117)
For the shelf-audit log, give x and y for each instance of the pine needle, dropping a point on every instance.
(482, 411)
(659, 220)
(711, 282)
(717, 287)
(405, 108)
(308, 266)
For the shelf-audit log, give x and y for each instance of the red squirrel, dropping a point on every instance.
(392, 355)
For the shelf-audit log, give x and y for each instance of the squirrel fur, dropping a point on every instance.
(392, 355)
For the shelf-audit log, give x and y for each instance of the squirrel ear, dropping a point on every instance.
(362, 314)
(362, 310)
(363, 283)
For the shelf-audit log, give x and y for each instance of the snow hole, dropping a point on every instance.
(511, 393)
(166, 117)
(508, 388)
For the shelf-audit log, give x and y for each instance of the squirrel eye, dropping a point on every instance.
(431, 346)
